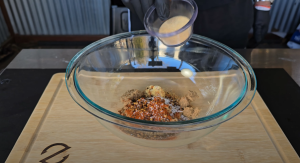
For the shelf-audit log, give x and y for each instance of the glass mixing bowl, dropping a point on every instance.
(99, 74)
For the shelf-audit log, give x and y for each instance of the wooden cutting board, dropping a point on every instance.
(60, 131)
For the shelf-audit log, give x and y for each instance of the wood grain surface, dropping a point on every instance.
(76, 136)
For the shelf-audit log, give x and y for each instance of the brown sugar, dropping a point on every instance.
(192, 95)
(131, 95)
(187, 99)
(191, 113)
(183, 102)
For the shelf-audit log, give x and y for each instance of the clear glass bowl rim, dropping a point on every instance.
(227, 49)
(189, 24)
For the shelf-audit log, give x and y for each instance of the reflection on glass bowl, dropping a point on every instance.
(186, 73)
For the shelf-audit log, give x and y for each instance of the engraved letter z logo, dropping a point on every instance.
(56, 153)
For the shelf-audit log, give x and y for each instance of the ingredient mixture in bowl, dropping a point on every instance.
(154, 104)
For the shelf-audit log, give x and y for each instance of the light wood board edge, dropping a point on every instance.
(31, 128)
(280, 141)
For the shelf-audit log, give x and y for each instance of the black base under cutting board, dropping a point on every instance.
(21, 89)
(282, 96)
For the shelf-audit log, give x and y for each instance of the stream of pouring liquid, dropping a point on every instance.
(174, 24)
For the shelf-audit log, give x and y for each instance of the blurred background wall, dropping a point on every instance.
(89, 20)
(59, 17)
(285, 16)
